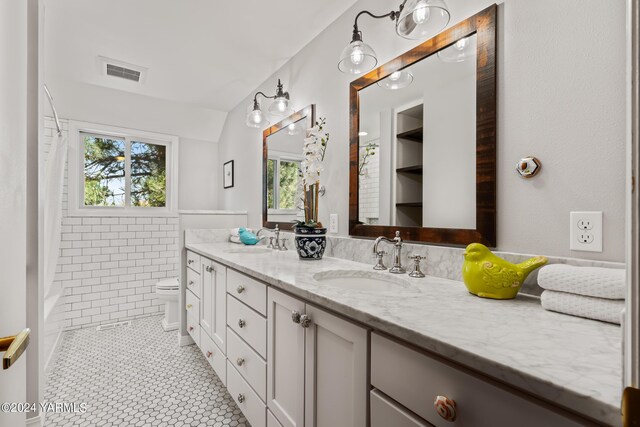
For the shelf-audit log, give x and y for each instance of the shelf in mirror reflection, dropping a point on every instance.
(416, 170)
(409, 205)
(412, 135)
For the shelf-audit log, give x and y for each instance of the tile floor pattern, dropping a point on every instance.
(137, 376)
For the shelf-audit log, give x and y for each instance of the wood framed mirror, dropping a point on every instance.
(422, 156)
(282, 151)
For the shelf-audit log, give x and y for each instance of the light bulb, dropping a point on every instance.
(462, 43)
(281, 104)
(292, 127)
(395, 75)
(421, 12)
(256, 116)
(357, 55)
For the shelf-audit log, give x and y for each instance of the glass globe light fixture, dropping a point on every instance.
(280, 105)
(459, 51)
(397, 80)
(357, 57)
(422, 18)
(255, 117)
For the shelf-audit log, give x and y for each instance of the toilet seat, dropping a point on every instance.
(171, 284)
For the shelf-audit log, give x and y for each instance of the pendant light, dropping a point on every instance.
(422, 18)
(415, 19)
(280, 107)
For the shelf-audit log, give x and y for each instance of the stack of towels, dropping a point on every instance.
(591, 292)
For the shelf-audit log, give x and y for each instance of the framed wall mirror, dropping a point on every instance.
(282, 152)
(423, 140)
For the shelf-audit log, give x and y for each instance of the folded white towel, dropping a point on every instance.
(607, 310)
(598, 282)
(236, 231)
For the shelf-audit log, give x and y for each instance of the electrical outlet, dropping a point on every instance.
(333, 223)
(586, 231)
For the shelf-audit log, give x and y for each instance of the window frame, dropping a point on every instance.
(278, 157)
(76, 176)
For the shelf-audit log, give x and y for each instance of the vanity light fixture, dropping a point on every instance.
(278, 108)
(397, 80)
(415, 19)
(459, 51)
(363, 133)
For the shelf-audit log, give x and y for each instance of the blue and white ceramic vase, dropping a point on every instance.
(310, 242)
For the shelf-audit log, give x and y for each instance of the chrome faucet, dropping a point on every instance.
(272, 244)
(397, 267)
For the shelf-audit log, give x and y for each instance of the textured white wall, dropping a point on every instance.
(561, 97)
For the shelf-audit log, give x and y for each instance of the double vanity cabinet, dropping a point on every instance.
(289, 363)
(284, 362)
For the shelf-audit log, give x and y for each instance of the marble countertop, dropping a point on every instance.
(574, 362)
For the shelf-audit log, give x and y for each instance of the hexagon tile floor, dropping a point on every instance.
(137, 376)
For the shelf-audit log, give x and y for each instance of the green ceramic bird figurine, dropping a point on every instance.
(489, 276)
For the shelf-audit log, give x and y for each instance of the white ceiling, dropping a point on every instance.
(206, 53)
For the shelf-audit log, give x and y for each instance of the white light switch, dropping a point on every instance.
(333, 223)
(586, 231)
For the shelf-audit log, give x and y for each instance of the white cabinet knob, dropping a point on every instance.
(240, 289)
(240, 361)
(446, 408)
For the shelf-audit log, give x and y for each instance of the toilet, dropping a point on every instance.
(167, 291)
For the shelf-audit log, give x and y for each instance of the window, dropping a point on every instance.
(124, 171)
(283, 197)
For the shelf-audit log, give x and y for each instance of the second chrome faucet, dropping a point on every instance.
(397, 242)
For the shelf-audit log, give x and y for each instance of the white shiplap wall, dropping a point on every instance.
(109, 265)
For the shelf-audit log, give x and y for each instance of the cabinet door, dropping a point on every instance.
(206, 296)
(336, 386)
(213, 313)
(219, 303)
(285, 360)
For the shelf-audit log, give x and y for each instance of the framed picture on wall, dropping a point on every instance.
(227, 170)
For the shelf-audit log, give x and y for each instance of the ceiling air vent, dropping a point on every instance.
(125, 73)
(114, 68)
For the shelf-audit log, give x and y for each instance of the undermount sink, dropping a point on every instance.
(248, 250)
(366, 281)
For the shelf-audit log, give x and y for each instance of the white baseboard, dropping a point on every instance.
(35, 421)
(185, 340)
(54, 352)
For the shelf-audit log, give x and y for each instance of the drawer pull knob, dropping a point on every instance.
(241, 323)
(305, 321)
(191, 282)
(241, 398)
(209, 354)
(295, 317)
(240, 289)
(209, 269)
(446, 408)
(190, 328)
(240, 361)
(189, 306)
(190, 261)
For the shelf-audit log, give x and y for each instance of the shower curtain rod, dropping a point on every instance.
(53, 107)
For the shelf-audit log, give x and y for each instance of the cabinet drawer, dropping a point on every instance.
(192, 306)
(193, 328)
(415, 380)
(248, 324)
(214, 356)
(248, 401)
(248, 290)
(194, 282)
(193, 261)
(248, 363)
(385, 413)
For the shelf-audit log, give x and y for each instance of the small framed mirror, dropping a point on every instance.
(423, 140)
(282, 153)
